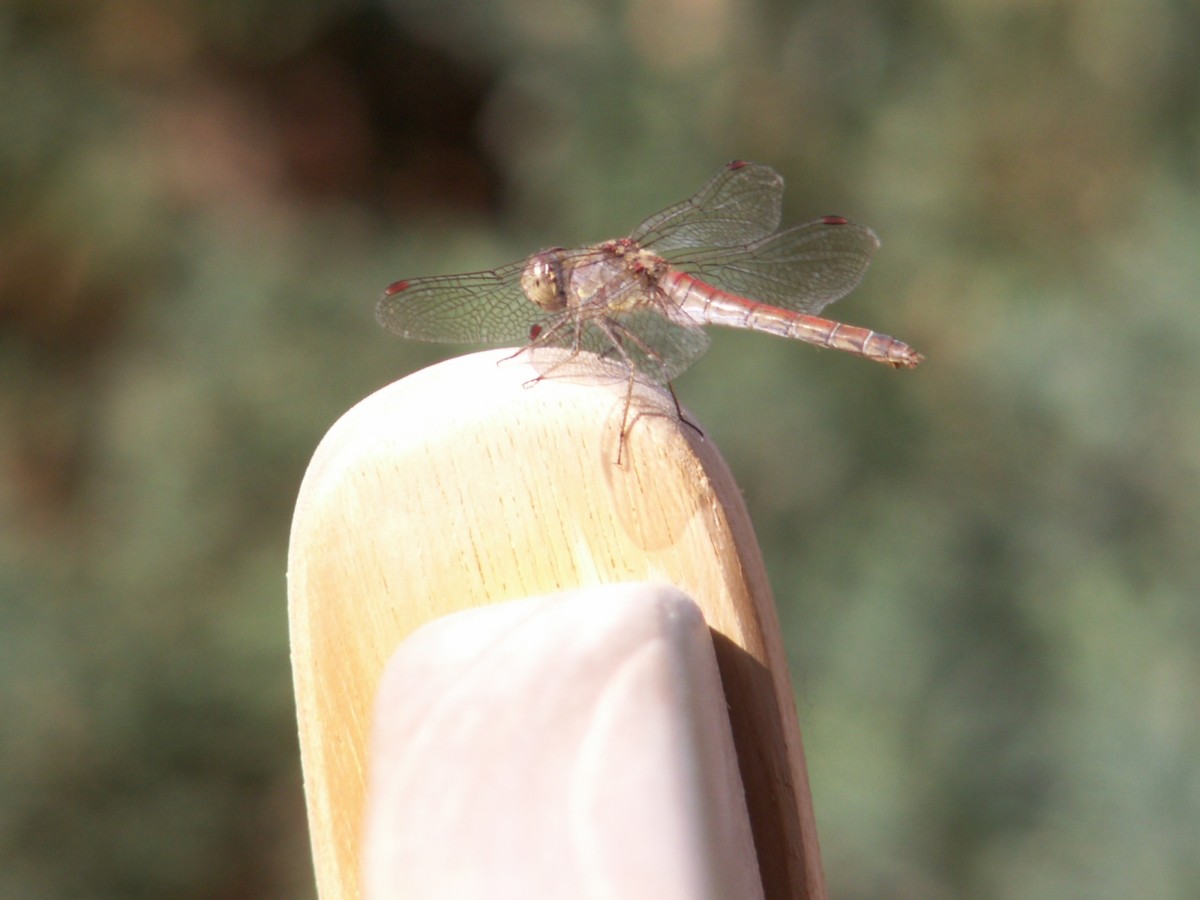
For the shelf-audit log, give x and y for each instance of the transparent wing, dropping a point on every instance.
(740, 204)
(656, 347)
(480, 307)
(804, 268)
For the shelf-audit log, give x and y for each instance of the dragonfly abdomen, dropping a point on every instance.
(711, 306)
(863, 342)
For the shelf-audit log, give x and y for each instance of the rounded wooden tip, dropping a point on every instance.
(464, 485)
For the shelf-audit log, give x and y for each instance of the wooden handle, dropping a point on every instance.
(462, 486)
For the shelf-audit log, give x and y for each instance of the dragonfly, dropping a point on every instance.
(642, 301)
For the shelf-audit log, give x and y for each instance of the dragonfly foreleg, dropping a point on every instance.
(545, 337)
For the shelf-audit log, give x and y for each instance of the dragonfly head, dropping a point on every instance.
(542, 280)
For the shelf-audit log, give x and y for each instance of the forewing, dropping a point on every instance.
(740, 204)
(804, 268)
(480, 307)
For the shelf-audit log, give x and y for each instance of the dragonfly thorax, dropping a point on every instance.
(542, 280)
(616, 275)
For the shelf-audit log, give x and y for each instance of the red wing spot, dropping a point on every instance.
(395, 288)
(534, 331)
(834, 220)
(736, 164)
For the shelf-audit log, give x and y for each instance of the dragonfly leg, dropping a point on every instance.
(679, 412)
(619, 336)
(545, 337)
(614, 332)
(513, 356)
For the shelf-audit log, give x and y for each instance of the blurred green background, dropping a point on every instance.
(987, 568)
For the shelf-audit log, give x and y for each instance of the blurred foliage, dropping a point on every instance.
(987, 569)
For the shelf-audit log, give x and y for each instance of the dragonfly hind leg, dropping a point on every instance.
(618, 335)
(679, 412)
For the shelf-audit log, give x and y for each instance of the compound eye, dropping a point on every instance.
(539, 281)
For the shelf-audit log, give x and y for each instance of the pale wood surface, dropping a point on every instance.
(568, 746)
(459, 487)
